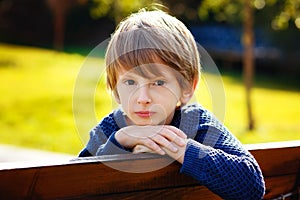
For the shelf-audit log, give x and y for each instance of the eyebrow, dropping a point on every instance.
(153, 77)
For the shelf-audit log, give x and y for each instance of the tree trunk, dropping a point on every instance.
(59, 10)
(248, 58)
(59, 30)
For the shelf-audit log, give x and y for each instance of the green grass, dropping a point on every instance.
(36, 87)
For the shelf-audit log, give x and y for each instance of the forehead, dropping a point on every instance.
(144, 62)
(138, 57)
(150, 70)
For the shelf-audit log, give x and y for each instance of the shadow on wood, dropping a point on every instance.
(99, 177)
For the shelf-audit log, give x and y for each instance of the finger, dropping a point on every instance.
(177, 131)
(153, 146)
(173, 137)
(141, 149)
(163, 142)
(179, 155)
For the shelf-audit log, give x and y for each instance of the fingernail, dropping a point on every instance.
(182, 142)
(174, 149)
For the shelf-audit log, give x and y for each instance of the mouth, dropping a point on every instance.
(144, 114)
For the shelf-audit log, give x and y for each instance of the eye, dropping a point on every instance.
(129, 82)
(159, 83)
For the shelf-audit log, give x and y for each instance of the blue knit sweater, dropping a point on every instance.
(214, 157)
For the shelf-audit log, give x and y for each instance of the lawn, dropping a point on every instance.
(38, 109)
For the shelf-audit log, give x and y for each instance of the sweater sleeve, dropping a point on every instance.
(102, 139)
(224, 166)
(111, 146)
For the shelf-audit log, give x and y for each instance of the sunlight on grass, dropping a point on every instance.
(36, 100)
(36, 103)
(276, 113)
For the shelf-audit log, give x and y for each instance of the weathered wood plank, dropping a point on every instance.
(280, 164)
(281, 160)
(92, 178)
(191, 193)
(278, 185)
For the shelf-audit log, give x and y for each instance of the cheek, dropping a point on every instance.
(126, 96)
(123, 91)
(124, 99)
(173, 93)
(168, 99)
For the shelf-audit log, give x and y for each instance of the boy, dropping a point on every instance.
(153, 67)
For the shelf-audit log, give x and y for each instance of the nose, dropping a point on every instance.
(143, 95)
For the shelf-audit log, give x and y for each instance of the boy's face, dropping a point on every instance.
(150, 99)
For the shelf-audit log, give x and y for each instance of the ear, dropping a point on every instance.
(188, 93)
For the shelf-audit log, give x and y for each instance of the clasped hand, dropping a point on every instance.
(161, 139)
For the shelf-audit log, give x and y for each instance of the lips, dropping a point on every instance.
(144, 114)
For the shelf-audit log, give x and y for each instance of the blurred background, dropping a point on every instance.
(43, 44)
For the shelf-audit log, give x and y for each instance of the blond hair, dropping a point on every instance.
(147, 35)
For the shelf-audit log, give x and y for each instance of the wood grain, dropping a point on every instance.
(99, 177)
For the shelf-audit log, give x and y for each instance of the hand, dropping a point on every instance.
(179, 155)
(159, 139)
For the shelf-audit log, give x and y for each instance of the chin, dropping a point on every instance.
(139, 123)
(146, 124)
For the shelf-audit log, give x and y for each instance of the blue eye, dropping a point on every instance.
(159, 83)
(129, 82)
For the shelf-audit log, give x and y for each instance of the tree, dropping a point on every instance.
(248, 58)
(59, 10)
(117, 9)
(232, 11)
(242, 10)
(289, 12)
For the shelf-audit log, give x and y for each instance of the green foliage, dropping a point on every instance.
(223, 10)
(232, 11)
(117, 9)
(36, 88)
(290, 11)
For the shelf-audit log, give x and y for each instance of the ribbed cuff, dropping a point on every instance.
(112, 146)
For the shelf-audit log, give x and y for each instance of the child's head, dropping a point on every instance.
(150, 37)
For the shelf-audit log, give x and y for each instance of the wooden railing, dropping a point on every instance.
(105, 177)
